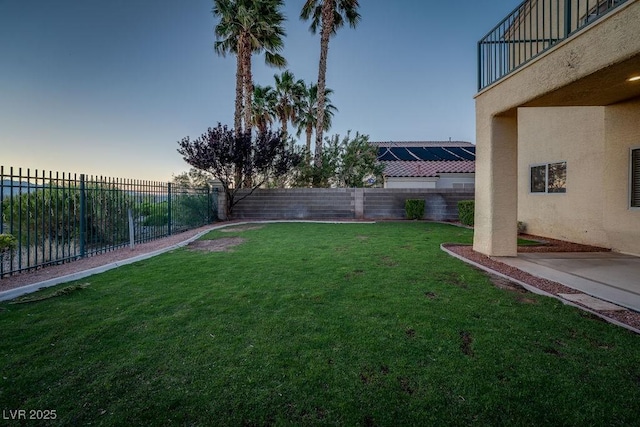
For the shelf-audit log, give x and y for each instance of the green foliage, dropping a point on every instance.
(54, 214)
(190, 210)
(414, 208)
(49, 213)
(7, 242)
(350, 162)
(156, 220)
(466, 211)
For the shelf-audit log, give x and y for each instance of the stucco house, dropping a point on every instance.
(558, 126)
(427, 164)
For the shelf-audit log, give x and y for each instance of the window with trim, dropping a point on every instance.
(635, 178)
(549, 178)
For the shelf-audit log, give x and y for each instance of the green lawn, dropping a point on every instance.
(313, 324)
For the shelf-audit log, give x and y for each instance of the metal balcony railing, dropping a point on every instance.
(531, 29)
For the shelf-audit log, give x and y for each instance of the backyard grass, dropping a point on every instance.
(313, 324)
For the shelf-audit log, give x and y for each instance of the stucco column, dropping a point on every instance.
(496, 214)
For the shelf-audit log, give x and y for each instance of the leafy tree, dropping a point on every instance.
(347, 162)
(309, 112)
(264, 107)
(219, 151)
(195, 178)
(329, 15)
(246, 27)
(359, 165)
(289, 92)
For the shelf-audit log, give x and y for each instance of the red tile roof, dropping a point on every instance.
(427, 168)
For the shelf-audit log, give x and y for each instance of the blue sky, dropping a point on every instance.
(109, 87)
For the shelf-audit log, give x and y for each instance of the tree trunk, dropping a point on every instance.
(309, 131)
(248, 104)
(248, 84)
(237, 117)
(283, 120)
(327, 24)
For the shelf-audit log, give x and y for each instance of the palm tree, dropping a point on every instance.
(264, 107)
(307, 118)
(247, 27)
(289, 92)
(330, 15)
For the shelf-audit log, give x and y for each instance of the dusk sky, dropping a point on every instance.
(109, 87)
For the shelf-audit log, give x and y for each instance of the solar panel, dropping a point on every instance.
(426, 153)
(462, 153)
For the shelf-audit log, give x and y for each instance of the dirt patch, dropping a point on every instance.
(215, 245)
(467, 340)
(240, 228)
(431, 295)
(502, 283)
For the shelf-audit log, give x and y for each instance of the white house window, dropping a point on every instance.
(635, 178)
(549, 178)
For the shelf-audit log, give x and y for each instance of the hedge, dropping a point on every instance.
(466, 209)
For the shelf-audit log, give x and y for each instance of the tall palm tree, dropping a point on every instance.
(247, 27)
(264, 107)
(289, 92)
(308, 114)
(329, 15)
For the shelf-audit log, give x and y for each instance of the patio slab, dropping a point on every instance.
(609, 276)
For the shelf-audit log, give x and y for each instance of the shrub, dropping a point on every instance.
(522, 227)
(414, 208)
(156, 220)
(7, 242)
(466, 210)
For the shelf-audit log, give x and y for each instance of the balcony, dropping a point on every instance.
(532, 28)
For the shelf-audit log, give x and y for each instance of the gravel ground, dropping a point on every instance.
(627, 317)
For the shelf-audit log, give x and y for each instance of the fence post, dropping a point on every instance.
(567, 18)
(169, 208)
(83, 216)
(213, 204)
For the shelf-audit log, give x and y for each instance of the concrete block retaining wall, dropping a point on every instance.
(347, 203)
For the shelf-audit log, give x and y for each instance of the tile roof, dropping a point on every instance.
(418, 168)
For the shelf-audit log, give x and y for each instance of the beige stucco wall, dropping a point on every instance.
(588, 69)
(574, 135)
(622, 132)
(595, 142)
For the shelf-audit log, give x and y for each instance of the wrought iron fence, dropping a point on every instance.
(56, 218)
(531, 29)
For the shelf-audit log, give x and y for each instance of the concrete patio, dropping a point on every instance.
(608, 276)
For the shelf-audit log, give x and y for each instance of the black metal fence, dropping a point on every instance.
(52, 218)
(531, 29)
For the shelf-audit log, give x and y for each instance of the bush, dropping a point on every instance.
(414, 208)
(7, 242)
(466, 211)
(156, 220)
